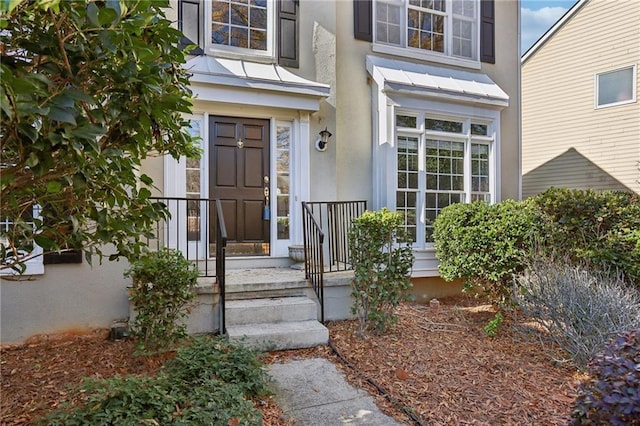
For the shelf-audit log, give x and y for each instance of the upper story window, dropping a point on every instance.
(241, 23)
(448, 27)
(266, 30)
(616, 87)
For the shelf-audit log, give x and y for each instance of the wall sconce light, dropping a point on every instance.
(323, 140)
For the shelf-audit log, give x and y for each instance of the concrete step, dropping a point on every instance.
(279, 336)
(281, 309)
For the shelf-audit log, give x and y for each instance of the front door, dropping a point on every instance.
(239, 177)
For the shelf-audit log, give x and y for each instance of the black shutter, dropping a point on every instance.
(288, 49)
(362, 20)
(487, 32)
(190, 17)
(72, 256)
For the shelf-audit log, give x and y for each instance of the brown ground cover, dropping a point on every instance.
(439, 364)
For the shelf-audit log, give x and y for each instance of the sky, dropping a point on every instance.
(537, 16)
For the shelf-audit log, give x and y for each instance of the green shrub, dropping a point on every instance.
(579, 309)
(612, 394)
(176, 396)
(207, 358)
(382, 261)
(484, 244)
(162, 287)
(600, 228)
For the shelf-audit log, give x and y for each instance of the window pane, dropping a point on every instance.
(193, 181)
(219, 34)
(615, 86)
(239, 37)
(406, 121)
(458, 183)
(258, 40)
(387, 23)
(407, 211)
(443, 125)
(220, 12)
(432, 181)
(283, 144)
(258, 18)
(479, 129)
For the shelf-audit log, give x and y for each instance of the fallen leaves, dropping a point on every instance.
(442, 365)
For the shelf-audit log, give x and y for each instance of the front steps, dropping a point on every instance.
(275, 323)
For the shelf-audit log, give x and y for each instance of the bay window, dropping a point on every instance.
(440, 161)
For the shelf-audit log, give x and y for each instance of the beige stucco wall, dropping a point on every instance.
(79, 297)
(506, 73)
(566, 140)
(67, 298)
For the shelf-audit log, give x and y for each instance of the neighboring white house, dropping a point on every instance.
(580, 110)
(421, 99)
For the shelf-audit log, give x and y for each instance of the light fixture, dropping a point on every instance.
(323, 140)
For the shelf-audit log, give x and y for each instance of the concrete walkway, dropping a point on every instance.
(313, 392)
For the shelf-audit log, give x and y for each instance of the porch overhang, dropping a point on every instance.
(242, 82)
(394, 78)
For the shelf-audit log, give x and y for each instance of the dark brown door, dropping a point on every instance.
(238, 176)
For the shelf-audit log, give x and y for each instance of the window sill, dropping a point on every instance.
(615, 104)
(265, 58)
(424, 56)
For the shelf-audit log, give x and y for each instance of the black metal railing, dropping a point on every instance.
(313, 254)
(196, 227)
(334, 218)
(221, 249)
(330, 222)
(188, 229)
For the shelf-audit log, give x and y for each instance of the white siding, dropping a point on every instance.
(566, 140)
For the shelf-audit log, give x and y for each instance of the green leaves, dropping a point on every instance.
(163, 284)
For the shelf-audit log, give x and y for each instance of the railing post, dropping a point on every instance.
(221, 248)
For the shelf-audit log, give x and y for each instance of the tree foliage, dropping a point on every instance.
(88, 90)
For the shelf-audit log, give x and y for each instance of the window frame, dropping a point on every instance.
(34, 265)
(444, 57)
(423, 134)
(634, 79)
(241, 52)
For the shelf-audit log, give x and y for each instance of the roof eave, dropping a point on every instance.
(551, 31)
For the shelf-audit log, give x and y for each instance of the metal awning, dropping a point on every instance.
(242, 75)
(437, 82)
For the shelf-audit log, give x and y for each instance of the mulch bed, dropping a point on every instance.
(36, 377)
(439, 364)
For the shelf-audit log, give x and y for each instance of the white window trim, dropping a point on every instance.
(241, 52)
(634, 85)
(175, 185)
(426, 55)
(34, 263)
